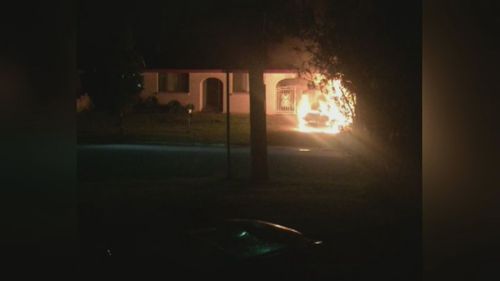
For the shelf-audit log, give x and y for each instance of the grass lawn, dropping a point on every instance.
(163, 128)
(206, 128)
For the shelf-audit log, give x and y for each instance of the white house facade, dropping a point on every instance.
(206, 89)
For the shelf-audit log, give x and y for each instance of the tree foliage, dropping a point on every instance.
(112, 71)
(375, 46)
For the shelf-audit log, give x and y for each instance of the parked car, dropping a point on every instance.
(236, 249)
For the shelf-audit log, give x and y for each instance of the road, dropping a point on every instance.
(159, 162)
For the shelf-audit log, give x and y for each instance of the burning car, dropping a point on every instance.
(328, 107)
(316, 119)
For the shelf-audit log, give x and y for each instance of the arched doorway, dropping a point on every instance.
(212, 95)
(287, 94)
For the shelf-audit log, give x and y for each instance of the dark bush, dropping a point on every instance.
(174, 106)
(148, 105)
(151, 102)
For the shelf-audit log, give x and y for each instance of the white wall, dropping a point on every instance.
(270, 81)
(196, 87)
(195, 94)
(240, 102)
(150, 84)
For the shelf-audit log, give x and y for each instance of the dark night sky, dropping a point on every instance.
(174, 33)
(211, 34)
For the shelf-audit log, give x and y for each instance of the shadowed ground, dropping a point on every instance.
(370, 223)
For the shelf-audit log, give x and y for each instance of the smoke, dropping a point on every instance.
(291, 52)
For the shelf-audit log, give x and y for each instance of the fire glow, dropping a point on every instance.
(326, 108)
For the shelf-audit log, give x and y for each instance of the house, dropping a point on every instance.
(206, 89)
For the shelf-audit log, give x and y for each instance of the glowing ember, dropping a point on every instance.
(328, 107)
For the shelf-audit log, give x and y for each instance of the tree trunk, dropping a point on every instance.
(258, 131)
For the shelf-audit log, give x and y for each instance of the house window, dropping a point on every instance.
(240, 82)
(173, 82)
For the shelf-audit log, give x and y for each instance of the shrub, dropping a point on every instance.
(174, 106)
(150, 104)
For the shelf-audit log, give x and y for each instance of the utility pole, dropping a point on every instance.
(258, 130)
(228, 126)
(258, 126)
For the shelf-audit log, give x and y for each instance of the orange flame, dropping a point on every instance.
(335, 105)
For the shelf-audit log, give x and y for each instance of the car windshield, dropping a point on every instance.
(240, 242)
